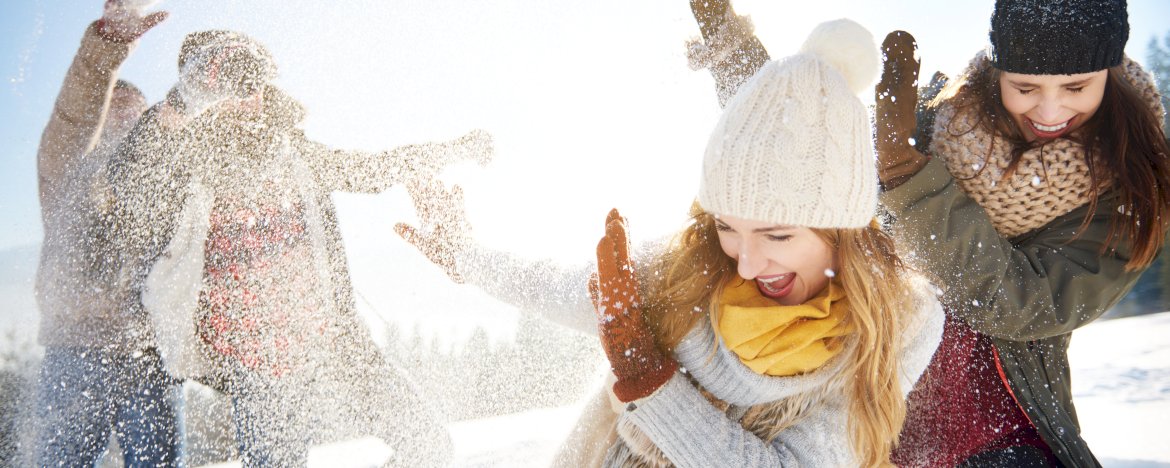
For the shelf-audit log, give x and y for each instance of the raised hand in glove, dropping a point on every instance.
(729, 48)
(444, 231)
(637, 363)
(122, 20)
(896, 97)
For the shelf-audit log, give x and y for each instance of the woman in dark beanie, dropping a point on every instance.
(1035, 196)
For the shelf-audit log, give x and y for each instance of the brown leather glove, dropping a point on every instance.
(709, 13)
(637, 363)
(730, 49)
(896, 98)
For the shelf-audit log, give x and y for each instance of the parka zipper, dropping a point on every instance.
(1006, 384)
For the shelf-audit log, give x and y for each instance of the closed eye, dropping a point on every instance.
(780, 237)
(1025, 92)
(1076, 89)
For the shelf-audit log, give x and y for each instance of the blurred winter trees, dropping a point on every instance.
(1152, 292)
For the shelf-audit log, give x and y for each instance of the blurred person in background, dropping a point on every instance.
(224, 210)
(101, 373)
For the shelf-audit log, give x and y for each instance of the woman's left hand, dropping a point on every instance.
(637, 363)
(445, 231)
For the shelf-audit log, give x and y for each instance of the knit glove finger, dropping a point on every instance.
(122, 20)
(444, 232)
(896, 98)
(637, 363)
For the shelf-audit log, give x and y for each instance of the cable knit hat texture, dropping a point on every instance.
(794, 145)
(1058, 37)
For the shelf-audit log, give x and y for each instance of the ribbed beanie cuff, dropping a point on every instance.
(1058, 37)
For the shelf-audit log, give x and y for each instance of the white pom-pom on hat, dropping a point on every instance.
(848, 48)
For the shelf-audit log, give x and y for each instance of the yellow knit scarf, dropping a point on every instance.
(779, 340)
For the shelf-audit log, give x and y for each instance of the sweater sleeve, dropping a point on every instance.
(1046, 283)
(354, 171)
(693, 433)
(553, 291)
(76, 120)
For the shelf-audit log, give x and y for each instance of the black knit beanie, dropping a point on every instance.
(1058, 37)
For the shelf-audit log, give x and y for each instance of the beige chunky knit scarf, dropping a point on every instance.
(1049, 182)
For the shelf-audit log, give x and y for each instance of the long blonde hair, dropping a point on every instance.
(685, 282)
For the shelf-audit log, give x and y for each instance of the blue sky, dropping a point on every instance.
(573, 91)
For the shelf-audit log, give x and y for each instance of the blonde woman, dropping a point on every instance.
(779, 328)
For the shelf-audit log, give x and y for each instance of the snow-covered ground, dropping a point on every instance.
(1121, 382)
(1121, 385)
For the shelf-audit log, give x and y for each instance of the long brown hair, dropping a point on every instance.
(1124, 144)
(683, 286)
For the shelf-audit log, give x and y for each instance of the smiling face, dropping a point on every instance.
(789, 264)
(1051, 106)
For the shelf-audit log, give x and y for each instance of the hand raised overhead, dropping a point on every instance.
(896, 98)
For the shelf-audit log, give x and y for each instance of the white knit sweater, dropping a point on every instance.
(677, 418)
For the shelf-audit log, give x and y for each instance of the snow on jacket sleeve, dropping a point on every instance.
(693, 433)
(149, 180)
(351, 170)
(1042, 284)
(375, 171)
(75, 123)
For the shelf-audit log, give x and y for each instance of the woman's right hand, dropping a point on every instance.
(444, 231)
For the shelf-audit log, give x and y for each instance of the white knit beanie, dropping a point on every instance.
(794, 145)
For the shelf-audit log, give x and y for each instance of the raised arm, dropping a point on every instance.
(1046, 283)
(368, 172)
(75, 123)
(729, 48)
